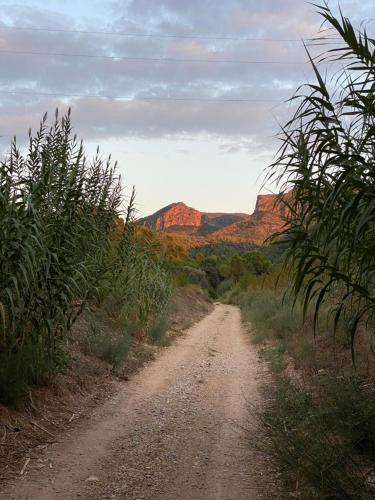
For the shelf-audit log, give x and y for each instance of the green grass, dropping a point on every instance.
(320, 418)
(320, 423)
(158, 330)
(323, 434)
(112, 347)
(112, 350)
(276, 357)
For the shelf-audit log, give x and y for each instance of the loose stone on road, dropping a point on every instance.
(176, 431)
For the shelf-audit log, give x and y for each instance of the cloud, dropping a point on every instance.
(106, 118)
(100, 119)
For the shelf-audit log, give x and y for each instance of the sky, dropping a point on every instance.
(187, 96)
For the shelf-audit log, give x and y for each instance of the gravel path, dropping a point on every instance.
(174, 432)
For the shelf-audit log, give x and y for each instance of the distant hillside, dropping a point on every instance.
(181, 219)
(265, 220)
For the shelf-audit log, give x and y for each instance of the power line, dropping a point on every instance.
(143, 59)
(161, 36)
(135, 99)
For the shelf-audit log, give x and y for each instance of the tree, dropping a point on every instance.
(256, 262)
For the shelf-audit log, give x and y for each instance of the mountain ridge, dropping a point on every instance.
(180, 218)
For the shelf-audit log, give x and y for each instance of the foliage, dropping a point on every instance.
(63, 248)
(254, 263)
(158, 329)
(319, 416)
(110, 348)
(225, 287)
(189, 275)
(222, 249)
(327, 160)
(167, 248)
(211, 266)
(136, 288)
(224, 274)
(215, 267)
(324, 434)
(56, 217)
(267, 306)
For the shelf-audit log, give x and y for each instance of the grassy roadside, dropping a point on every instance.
(320, 412)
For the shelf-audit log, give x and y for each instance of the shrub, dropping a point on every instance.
(323, 435)
(224, 287)
(158, 329)
(112, 349)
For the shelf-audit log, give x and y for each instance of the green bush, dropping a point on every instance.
(224, 287)
(324, 435)
(114, 350)
(158, 329)
(181, 279)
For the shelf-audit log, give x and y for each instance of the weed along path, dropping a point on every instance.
(174, 432)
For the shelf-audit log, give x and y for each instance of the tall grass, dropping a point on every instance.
(58, 217)
(323, 437)
(137, 287)
(319, 412)
(327, 160)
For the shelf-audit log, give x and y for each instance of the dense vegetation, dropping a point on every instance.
(63, 249)
(314, 314)
(327, 161)
(65, 253)
(217, 274)
(320, 416)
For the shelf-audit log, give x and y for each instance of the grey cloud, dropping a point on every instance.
(218, 17)
(107, 118)
(97, 119)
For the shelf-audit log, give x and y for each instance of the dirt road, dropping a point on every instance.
(174, 432)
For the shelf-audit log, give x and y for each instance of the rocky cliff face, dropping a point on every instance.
(180, 218)
(267, 219)
(256, 228)
(175, 217)
(268, 203)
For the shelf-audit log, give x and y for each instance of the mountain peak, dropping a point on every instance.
(176, 217)
(175, 204)
(180, 218)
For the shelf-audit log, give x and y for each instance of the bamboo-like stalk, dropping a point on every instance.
(327, 160)
(57, 216)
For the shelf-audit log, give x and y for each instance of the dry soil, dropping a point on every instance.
(176, 431)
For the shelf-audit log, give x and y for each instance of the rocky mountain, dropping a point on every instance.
(180, 218)
(267, 218)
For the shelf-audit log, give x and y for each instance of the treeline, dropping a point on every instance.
(64, 249)
(217, 275)
(223, 249)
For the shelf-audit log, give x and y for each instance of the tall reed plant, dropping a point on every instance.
(137, 287)
(327, 161)
(57, 211)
